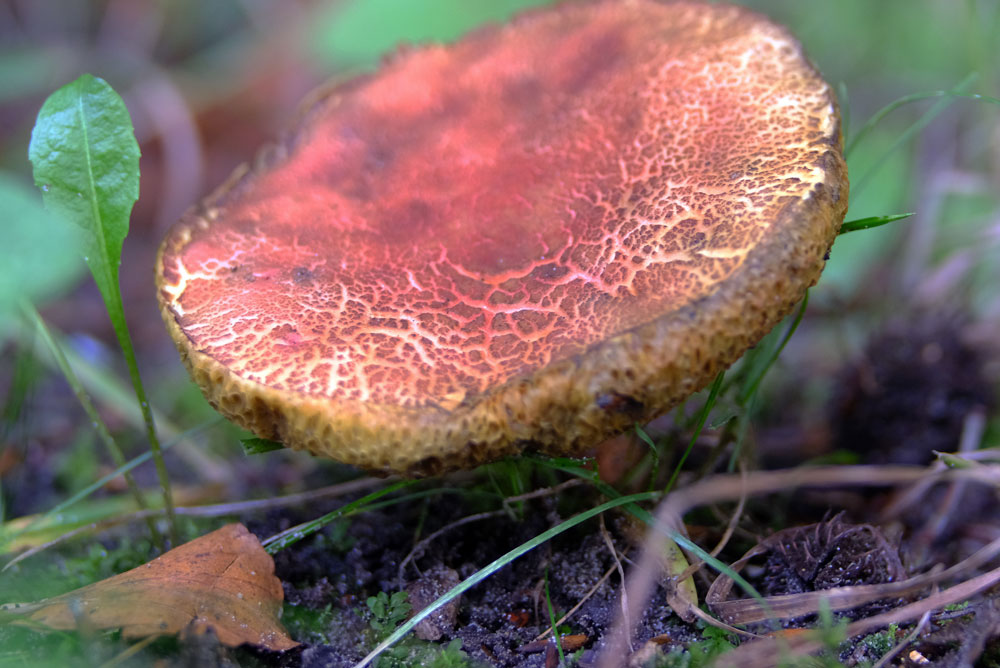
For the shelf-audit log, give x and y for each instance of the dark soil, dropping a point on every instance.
(496, 620)
(910, 393)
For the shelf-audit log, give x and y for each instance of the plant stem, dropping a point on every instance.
(88, 406)
(125, 343)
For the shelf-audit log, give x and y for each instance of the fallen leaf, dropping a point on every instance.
(682, 596)
(223, 580)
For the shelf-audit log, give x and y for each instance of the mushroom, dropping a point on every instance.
(530, 239)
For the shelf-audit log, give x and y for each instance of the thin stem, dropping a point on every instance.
(713, 395)
(754, 384)
(88, 406)
(125, 343)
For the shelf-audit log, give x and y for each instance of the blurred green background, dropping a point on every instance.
(208, 82)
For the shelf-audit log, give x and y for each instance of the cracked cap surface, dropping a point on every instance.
(531, 238)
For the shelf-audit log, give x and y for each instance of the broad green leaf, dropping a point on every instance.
(86, 162)
(38, 259)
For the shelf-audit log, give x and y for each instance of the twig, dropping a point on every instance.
(621, 575)
(762, 652)
(722, 487)
(213, 510)
(973, 428)
(579, 604)
(419, 547)
(901, 645)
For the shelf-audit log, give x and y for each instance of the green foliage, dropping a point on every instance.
(335, 539)
(514, 476)
(257, 446)
(387, 612)
(86, 162)
(715, 642)
(831, 632)
(37, 579)
(306, 624)
(38, 253)
(99, 562)
(871, 222)
(22, 647)
(883, 641)
(417, 653)
(28, 647)
(451, 656)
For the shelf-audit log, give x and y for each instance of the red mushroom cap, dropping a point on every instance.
(532, 238)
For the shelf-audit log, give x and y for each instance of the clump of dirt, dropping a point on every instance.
(830, 554)
(820, 556)
(910, 393)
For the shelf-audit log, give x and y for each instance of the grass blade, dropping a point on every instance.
(9, 533)
(759, 373)
(280, 541)
(86, 162)
(496, 565)
(872, 221)
(713, 395)
(88, 406)
(948, 96)
(956, 92)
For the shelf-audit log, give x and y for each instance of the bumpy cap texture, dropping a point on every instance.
(530, 239)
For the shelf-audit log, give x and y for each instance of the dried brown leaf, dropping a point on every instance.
(223, 580)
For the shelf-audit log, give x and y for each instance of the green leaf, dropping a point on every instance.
(86, 162)
(953, 461)
(37, 254)
(871, 221)
(294, 534)
(257, 446)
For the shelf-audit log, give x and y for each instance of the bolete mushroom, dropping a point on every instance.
(529, 239)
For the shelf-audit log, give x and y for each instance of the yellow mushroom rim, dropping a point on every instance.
(530, 239)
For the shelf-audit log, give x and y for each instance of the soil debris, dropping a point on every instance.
(909, 393)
